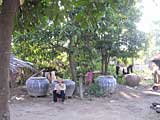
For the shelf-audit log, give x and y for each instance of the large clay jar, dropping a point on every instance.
(37, 86)
(107, 83)
(132, 80)
(70, 87)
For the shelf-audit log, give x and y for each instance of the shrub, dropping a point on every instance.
(95, 90)
(121, 79)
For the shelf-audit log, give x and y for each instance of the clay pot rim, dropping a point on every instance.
(108, 76)
(38, 78)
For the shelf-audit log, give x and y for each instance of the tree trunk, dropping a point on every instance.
(102, 63)
(72, 67)
(107, 58)
(7, 14)
(106, 66)
(132, 60)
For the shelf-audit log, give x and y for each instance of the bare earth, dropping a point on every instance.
(127, 104)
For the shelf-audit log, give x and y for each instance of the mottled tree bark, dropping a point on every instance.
(72, 67)
(7, 14)
(72, 62)
(107, 58)
(102, 62)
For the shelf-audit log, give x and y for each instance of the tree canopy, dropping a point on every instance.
(89, 31)
(76, 35)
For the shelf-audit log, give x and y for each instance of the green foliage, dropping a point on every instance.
(95, 90)
(121, 79)
(1, 1)
(112, 69)
(50, 31)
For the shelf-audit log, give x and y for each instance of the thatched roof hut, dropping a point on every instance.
(156, 59)
(16, 63)
(16, 69)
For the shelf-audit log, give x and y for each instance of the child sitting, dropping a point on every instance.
(59, 91)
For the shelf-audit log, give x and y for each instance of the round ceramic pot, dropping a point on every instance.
(107, 83)
(37, 86)
(132, 80)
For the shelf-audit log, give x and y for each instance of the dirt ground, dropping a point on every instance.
(127, 104)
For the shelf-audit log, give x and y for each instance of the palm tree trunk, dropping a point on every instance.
(7, 14)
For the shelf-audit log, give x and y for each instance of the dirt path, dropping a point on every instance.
(126, 104)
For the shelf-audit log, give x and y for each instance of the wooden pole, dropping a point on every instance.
(37, 73)
(81, 86)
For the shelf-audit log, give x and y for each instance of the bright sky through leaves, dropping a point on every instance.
(151, 9)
